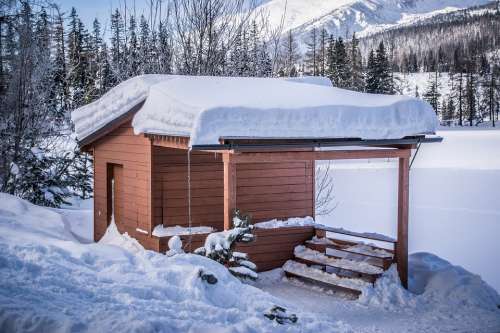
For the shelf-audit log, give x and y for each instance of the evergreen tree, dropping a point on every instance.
(372, 82)
(448, 114)
(133, 61)
(432, 94)
(471, 91)
(311, 56)
(164, 49)
(60, 93)
(254, 48)
(322, 52)
(356, 81)
(78, 61)
(378, 77)
(118, 46)
(290, 55)
(457, 82)
(265, 62)
(340, 74)
(384, 72)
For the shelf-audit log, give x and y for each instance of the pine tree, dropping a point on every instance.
(449, 112)
(471, 91)
(265, 62)
(164, 49)
(432, 94)
(356, 81)
(384, 72)
(145, 46)
(372, 81)
(133, 61)
(118, 46)
(311, 56)
(61, 93)
(322, 52)
(254, 48)
(340, 75)
(457, 82)
(77, 61)
(330, 58)
(290, 55)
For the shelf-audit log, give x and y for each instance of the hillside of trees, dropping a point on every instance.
(51, 63)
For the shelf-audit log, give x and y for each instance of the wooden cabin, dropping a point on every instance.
(147, 175)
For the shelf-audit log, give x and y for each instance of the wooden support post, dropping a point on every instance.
(229, 189)
(403, 202)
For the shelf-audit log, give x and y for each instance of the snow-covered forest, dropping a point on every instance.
(51, 63)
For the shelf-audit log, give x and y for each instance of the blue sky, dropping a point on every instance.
(89, 9)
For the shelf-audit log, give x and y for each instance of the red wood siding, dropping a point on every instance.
(133, 153)
(266, 190)
(275, 190)
(273, 247)
(170, 186)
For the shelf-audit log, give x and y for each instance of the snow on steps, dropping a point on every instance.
(366, 235)
(352, 247)
(317, 258)
(331, 280)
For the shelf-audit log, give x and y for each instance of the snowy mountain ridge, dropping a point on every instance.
(364, 17)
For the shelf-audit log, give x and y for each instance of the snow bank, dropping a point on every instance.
(291, 222)
(432, 280)
(208, 108)
(162, 231)
(437, 279)
(52, 283)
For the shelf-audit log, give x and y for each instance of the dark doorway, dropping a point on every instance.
(114, 189)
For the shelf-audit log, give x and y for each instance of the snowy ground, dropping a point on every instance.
(53, 278)
(454, 200)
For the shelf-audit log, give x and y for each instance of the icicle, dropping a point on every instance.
(189, 199)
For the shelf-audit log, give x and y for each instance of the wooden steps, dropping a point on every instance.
(302, 271)
(366, 235)
(351, 250)
(343, 267)
(340, 264)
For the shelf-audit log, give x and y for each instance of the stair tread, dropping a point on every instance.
(319, 258)
(302, 270)
(359, 248)
(367, 235)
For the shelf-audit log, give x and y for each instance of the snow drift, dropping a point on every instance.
(49, 282)
(208, 108)
(52, 283)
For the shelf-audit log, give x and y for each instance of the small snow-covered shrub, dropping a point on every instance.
(219, 246)
(174, 246)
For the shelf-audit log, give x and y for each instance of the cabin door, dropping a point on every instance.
(115, 193)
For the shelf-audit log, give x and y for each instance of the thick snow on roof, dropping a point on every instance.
(208, 108)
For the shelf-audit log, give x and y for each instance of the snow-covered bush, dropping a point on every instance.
(174, 246)
(219, 246)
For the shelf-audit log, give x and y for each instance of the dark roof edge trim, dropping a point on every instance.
(317, 143)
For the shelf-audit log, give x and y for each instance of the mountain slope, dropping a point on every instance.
(341, 17)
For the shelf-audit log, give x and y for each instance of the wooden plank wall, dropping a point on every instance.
(170, 188)
(133, 152)
(275, 190)
(265, 190)
(273, 247)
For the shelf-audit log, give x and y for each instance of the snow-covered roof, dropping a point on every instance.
(208, 108)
